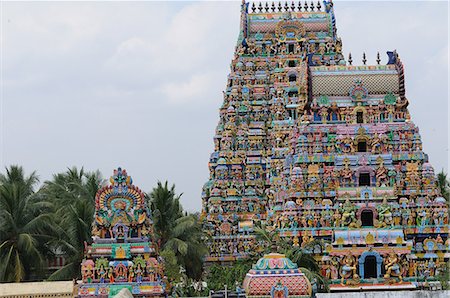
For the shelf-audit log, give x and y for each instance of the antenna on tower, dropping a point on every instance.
(350, 58)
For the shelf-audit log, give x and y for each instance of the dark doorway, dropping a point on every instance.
(367, 218)
(292, 78)
(364, 179)
(291, 63)
(370, 267)
(293, 93)
(291, 48)
(362, 146)
(359, 117)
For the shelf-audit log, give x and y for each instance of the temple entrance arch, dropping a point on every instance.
(370, 264)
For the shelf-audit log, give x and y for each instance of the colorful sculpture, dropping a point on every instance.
(318, 148)
(122, 245)
(276, 276)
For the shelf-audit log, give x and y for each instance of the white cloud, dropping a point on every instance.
(188, 91)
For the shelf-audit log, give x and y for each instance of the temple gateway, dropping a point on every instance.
(321, 149)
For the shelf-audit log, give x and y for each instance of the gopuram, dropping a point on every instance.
(123, 253)
(318, 148)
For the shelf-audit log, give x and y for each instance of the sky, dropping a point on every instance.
(139, 84)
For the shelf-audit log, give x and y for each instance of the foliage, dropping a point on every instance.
(444, 185)
(24, 225)
(444, 277)
(166, 209)
(218, 275)
(72, 193)
(176, 231)
(171, 267)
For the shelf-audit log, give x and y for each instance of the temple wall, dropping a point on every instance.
(37, 289)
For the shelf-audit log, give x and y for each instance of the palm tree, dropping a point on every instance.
(444, 185)
(176, 231)
(166, 209)
(72, 193)
(186, 241)
(25, 226)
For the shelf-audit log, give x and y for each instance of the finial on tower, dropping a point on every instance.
(378, 58)
(364, 60)
(350, 58)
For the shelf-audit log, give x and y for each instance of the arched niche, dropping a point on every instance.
(373, 257)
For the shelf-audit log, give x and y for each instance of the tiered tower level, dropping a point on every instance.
(318, 148)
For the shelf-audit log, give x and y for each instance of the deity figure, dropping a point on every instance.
(381, 174)
(348, 268)
(384, 214)
(346, 175)
(348, 214)
(347, 143)
(130, 274)
(376, 144)
(392, 266)
(102, 273)
(111, 274)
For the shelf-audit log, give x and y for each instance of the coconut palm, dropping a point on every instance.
(25, 226)
(72, 193)
(176, 231)
(166, 209)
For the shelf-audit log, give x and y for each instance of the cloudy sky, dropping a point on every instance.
(139, 84)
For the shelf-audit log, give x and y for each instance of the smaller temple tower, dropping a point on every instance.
(123, 253)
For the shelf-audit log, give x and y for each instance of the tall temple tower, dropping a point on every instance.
(317, 148)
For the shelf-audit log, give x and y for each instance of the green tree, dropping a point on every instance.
(444, 185)
(176, 231)
(219, 276)
(25, 225)
(72, 194)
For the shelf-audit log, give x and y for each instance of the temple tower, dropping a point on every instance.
(123, 253)
(318, 148)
